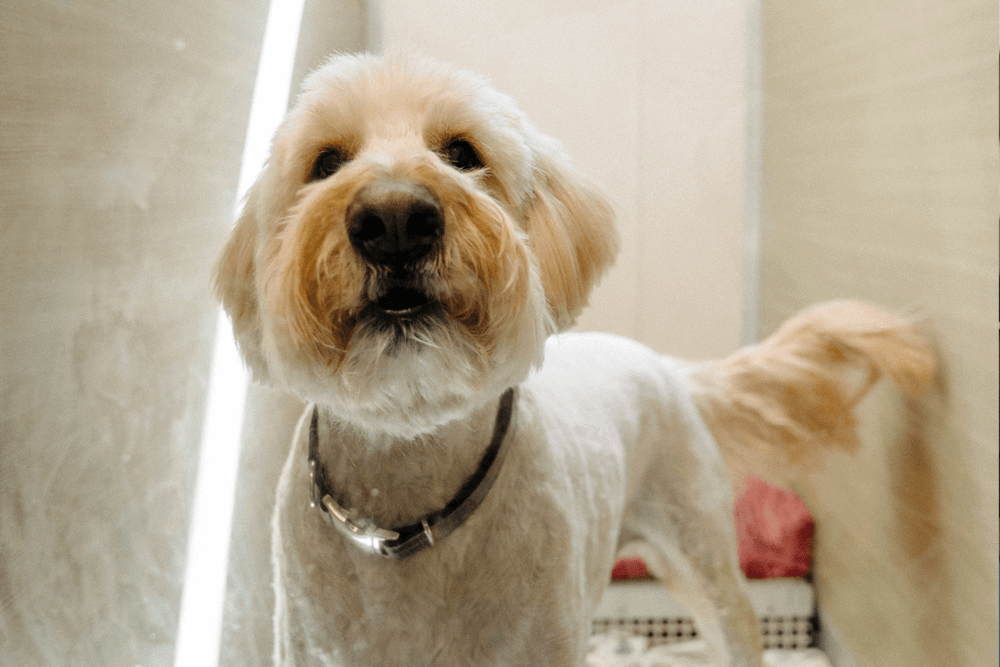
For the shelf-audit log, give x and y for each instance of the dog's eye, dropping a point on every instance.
(327, 163)
(462, 155)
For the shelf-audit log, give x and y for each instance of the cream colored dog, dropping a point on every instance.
(449, 499)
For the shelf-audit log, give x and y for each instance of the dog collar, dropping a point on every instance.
(398, 543)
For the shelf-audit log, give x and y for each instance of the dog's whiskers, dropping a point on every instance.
(421, 337)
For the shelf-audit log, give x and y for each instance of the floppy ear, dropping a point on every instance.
(234, 281)
(572, 232)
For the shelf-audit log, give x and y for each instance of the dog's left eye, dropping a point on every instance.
(327, 163)
(462, 155)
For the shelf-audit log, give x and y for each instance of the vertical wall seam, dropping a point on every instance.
(753, 165)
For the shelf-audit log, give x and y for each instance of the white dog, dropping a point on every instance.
(449, 499)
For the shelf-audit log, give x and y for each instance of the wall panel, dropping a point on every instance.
(649, 99)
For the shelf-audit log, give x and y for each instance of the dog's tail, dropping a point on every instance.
(775, 408)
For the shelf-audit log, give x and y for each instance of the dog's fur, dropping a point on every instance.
(607, 452)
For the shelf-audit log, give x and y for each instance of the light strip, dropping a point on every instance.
(199, 630)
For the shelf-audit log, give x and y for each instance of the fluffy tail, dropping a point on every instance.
(775, 408)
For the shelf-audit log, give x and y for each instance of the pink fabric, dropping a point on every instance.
(629, 568)
(774, 529)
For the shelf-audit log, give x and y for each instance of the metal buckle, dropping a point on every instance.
(362, 531)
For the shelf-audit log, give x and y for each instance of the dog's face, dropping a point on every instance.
(410, 245)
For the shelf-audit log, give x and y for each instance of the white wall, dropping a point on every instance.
(649, 99)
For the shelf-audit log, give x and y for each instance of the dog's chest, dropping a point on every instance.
(486, 595)
(512, 585)
(507, 587)
(437, 620)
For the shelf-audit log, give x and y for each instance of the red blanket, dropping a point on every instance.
(774, 529)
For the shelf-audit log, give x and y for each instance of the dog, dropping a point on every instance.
(466, 472)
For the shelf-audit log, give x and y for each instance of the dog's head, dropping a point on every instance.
(410, 245)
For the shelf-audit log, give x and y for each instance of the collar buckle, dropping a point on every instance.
(361, 530)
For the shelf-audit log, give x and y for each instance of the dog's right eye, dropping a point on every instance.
(327, 163)
(462, 155)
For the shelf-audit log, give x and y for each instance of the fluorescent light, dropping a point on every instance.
(199, 630)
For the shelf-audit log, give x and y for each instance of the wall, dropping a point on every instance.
(121, 129)
(880, 182)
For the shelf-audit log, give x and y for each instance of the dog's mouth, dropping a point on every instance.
(403, 309)
(402, 302)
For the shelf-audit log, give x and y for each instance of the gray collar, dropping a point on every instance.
(398, 543)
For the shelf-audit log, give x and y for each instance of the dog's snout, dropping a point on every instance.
(394, 223)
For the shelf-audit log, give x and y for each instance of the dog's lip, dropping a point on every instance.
(402, 301)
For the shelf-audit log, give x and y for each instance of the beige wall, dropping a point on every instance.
(881, 173)
(121, 129)
(649, 100)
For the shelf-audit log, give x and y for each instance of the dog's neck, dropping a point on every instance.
(396, 481)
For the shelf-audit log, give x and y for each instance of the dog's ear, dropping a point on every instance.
(234, 281)
(572, 233)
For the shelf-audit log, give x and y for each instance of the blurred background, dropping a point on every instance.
(762, 155)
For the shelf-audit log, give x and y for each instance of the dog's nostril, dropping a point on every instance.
(368, 227)
(424, 224)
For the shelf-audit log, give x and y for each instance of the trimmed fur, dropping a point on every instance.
(606, 452)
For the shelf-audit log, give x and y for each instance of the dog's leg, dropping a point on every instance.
(695, 563)
(681, 524)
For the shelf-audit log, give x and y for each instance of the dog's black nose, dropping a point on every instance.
(394, 223)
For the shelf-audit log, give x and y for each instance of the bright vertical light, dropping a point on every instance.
(200, 627)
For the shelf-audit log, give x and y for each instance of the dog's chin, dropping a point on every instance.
(406, 373)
